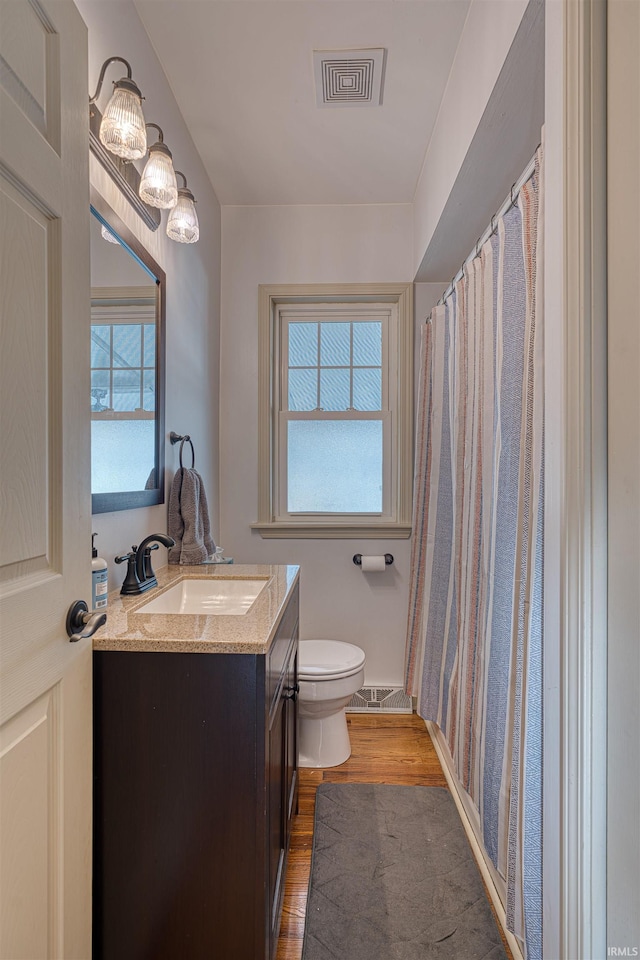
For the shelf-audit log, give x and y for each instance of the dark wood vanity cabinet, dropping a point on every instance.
(283, 783)
(195, 760)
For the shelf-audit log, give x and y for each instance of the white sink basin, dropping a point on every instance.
(224, 596)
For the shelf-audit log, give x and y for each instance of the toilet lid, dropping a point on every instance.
(328, 659)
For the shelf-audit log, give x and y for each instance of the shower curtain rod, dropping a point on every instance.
(509, 201)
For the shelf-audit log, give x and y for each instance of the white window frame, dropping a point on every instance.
(284, 302)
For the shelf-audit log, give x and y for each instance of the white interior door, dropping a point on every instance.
(45, 681)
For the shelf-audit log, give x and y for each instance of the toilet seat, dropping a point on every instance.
(320, 660)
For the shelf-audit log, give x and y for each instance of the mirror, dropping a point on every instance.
(127, 367)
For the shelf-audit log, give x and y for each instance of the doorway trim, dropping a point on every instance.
(575, 750)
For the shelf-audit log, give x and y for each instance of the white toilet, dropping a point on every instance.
(329, 673)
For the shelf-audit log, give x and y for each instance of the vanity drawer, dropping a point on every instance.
(278, 655)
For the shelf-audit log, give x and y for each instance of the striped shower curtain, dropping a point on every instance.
(474, 638)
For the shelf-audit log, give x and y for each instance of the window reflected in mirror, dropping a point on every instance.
(126, 354)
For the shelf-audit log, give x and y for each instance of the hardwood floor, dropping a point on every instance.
(391, 748)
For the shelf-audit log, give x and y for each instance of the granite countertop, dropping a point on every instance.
(252, 632)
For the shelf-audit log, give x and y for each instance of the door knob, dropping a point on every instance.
(81, 624)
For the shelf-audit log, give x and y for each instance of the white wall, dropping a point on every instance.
(307, 244)
(489, 31)
(192, 271)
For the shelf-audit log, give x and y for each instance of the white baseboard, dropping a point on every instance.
(494, 882)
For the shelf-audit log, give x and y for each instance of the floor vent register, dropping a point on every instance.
(380, 700)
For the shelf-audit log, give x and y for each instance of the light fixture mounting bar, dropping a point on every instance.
(125, 175)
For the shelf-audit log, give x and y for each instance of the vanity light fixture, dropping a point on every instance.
(122, 130)
(182, 224)
(119, 137)
(159, 187)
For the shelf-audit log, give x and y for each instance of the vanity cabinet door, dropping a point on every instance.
(276, 825)
(282, 772)
(290, 734)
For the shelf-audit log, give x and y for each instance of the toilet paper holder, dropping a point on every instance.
(357, 559)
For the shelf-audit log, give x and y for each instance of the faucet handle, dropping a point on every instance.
(131, 583)
(127, 556)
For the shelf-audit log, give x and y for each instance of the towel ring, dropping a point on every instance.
(184, 440)
(177, 438)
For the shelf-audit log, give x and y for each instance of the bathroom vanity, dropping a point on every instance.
(195, 760)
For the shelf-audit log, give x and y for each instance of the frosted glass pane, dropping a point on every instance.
(367, 344)
(122, 454)
(303, 344)
(303, 389)
(367, 389)
(100, 395)
(335, 344)
(334, 389)
(126, 345)
(126, 390)
(100, 345)
(335, 466)
(149, 345)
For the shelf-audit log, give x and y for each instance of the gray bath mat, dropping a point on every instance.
(393, 878)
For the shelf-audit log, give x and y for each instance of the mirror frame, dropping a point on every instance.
(131, 499)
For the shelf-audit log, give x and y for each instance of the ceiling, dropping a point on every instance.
(242, 74)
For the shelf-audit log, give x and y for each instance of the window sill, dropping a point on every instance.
(288, 530)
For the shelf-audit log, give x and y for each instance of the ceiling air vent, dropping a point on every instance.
(349, 78)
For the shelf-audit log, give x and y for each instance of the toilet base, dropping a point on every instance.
(323, 742)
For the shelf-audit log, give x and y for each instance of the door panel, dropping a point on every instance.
(45, 561)
(30, 65)
(30, 780)
(25, 344)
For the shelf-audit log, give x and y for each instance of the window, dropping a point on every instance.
(336, 400)
(123, 388)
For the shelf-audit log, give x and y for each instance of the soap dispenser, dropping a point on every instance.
(99, 578)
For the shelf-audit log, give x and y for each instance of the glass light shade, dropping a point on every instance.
(107, 235)
(182, 224)
(159, 187)
(122, 130)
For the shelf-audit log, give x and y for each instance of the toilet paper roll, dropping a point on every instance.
(373, 564)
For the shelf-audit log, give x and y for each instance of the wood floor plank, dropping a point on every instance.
(389, 748)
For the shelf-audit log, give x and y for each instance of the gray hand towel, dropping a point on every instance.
(188, 520)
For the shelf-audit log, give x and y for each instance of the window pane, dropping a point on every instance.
(149, 345)
(303, 389)
(335, 344)
(126, 390)
(367, 389)
(367, 344)
(149, 392)
(122, 454)
(303, 344)
(100, 345)
(334, 389)
(335, 466)
(100, 396)
(126, 345)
